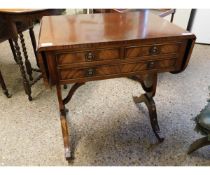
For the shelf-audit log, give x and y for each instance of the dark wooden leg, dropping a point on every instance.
(63, 111)
(64, 125)
(27, 62)
(198, 144)
(149, 83)
(13, 50)
(33, 41)
(172, 16)
(141, 81)
(71, 92)
(22, 69)
(3, 85)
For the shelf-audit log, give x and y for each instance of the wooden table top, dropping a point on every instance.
(65, 30)
(17, 11)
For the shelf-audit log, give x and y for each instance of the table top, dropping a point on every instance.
(65, 30)
(17, 11)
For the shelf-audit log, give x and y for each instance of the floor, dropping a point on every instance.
(106, 125)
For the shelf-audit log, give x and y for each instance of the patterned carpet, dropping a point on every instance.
(105, 124)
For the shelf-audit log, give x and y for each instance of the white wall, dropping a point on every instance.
(181, 17)
(201, 26)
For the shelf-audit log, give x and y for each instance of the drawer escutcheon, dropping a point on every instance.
(154, 50)
(90, 72)
(150, 65)
(89, 56)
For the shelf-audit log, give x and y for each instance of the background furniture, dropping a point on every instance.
(203, 127)
(4, 35)
(16, 21)
(159, 12)
(165, 12)
(110, 45)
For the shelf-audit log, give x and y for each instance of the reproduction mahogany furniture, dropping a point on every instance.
(110, 45)
(16, 21)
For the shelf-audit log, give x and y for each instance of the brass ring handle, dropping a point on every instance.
(154, 50)
(89, 56)
(151, 65)
(90, 72)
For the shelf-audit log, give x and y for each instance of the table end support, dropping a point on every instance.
(149, 84)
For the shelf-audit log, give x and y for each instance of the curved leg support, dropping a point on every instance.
(149, 83)
(65, 133)
(64, 123)
(152, 114)
(142, 82)
(71, 92)
(198, 144)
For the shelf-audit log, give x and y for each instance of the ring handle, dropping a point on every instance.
(154, 50)
(90, 72)
(89, 56)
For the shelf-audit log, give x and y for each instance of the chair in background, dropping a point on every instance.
(160, 12)
(165, 12)
(203, 127)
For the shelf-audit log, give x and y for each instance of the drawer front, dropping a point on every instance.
(73, 73)
(149, 65)
(100, 71)
(88, 56)
(151, 50)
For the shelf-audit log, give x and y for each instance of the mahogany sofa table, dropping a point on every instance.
(16, 21)
(138, 45)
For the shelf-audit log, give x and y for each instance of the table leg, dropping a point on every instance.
(149, 83)
(172, 16)
(64, 125)
(63, 112)
(27, 62)
(26, 84)
(33, 41)
(13, 50)
(3, 85)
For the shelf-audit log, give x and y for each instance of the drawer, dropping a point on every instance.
(87, 56)
(149, 65)
(73, 73)
(152, 50)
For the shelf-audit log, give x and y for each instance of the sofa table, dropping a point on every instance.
(81, 48)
